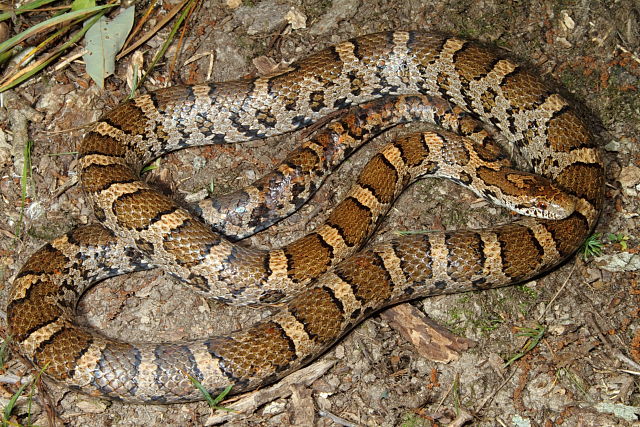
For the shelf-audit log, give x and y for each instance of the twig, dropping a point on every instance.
(69, 60)
(613, 352)
(461, 419)
(444, 397)
(494, 392)
(140, 23)
(633, 55)
(336, 419)
(546, 307)
(73, 180)
(154, 30)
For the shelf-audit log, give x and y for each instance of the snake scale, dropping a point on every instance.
(435, 76)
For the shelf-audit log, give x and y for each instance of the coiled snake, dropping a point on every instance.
(143, 229)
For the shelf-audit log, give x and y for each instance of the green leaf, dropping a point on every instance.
(103, 41)
(82, 4)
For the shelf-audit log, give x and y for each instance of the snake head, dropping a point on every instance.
(550, 202)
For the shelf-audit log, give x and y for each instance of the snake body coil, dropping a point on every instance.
(143, 229)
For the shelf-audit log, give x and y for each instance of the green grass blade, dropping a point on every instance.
(165, 45)
(72, 40)
(8, 409)
(211, 401)
(8, 44)
(24, 8)
(219, 398)
(34, 382)
(205, 393)
(534, 336)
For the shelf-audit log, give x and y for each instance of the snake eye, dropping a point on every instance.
(542, 206)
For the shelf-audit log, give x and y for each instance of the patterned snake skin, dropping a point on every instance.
(440, 78)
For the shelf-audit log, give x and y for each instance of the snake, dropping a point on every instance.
(326, 282)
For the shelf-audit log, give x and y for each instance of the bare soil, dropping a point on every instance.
(582, 370)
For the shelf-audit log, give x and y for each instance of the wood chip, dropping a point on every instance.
(430, 339)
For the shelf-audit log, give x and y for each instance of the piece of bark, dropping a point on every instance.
(430, 339)
(246, 404)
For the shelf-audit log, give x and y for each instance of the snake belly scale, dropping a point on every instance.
(142, 229)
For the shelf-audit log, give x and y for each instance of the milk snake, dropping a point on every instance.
(445, 80)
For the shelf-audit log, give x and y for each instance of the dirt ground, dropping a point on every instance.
(580, 373)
